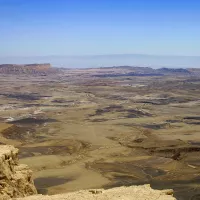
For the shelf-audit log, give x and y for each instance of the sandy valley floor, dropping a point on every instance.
(80, 133)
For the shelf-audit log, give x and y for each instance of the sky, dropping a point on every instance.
(99, 27)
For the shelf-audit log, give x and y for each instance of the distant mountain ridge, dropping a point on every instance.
(146, 71)
(46, 69)
(173, 70)
(95, 61)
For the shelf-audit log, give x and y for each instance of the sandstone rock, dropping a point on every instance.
(124, 193)
(15, 180)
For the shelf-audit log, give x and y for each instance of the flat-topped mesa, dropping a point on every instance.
(44, 66)
(26, 69)
(15, 179)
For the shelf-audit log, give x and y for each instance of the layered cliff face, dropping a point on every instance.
(33, 69)
(15, 180)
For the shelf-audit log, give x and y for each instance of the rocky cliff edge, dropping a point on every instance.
(124, 193)
(15, 180)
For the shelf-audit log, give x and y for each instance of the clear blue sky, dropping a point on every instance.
(93, 27)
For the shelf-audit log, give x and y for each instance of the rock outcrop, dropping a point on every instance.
(15, 180)
(125, 193)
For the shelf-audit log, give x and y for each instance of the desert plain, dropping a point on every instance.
(101, 128)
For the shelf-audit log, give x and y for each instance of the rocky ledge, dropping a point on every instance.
(15, 180)
(125, 193)
(16, 183)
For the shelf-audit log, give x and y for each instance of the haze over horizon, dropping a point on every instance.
(140, 32)
(109, 61)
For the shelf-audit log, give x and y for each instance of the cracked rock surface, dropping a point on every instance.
(15, 179)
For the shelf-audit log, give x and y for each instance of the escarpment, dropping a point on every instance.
(15, 179)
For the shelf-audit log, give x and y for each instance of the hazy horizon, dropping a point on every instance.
(142, 60)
